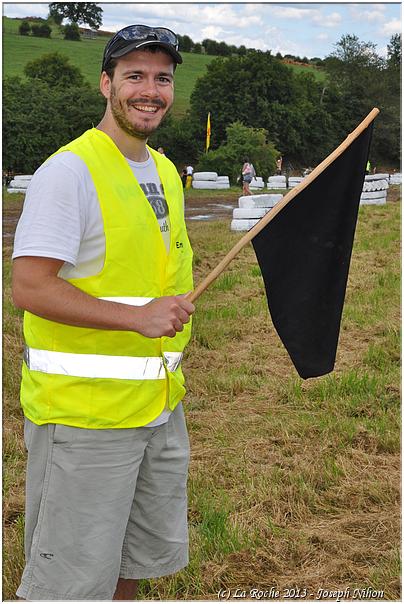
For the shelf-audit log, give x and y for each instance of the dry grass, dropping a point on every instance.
(292, 484)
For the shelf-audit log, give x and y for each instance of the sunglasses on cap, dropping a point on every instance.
(133, 37)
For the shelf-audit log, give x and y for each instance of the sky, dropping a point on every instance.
(303, 29)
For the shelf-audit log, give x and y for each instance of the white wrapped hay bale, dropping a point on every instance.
(19, 184)
(266, 200)
(23, 177)
(257, 183)
(251, 209)
(395, 179)
(250, 213)
(210, 180)
(373, 198)
(209, 184)
(16, 190)
(375, 185)
(205, 176)
(376, 176)
(276, 182)
(242, 225)
(294, 180)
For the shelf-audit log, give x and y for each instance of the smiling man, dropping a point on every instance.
(102, 265)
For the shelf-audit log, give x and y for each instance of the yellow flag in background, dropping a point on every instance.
(208, 132)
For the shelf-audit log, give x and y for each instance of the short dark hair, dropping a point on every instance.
(112, 63)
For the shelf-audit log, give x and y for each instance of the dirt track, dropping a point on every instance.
(211, 208)
(196, 208)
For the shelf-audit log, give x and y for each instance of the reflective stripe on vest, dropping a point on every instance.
(100, 365)
(131, 301)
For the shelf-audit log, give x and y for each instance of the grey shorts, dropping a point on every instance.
(103, 504)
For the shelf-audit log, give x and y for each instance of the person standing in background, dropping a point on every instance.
(248, 174)
(190, 172)
(184, 176)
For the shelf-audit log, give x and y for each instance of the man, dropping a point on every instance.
(102, 265)
(190, 172)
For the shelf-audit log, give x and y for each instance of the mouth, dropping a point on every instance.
(149, 109)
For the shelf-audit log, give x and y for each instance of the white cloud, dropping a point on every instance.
(318, 16)
(331, 20)
(391, 27)
(26, 10)
(212, 31)
(290, 12)
(371, 12)
(322, 36)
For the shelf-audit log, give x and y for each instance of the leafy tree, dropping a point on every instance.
(394, 52)
(87, 13)
(261, 92)
(197, 48)
(38, 119)
(363, 80)
(211, 46)
(24, 28)
(54, 69)
(71, 32)
(185, 43)
(223, 50)
(241, 142)
(177, 138)
(41, 30)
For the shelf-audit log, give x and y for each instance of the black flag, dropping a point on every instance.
(304, 255)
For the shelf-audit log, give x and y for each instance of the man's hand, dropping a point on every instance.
(165, 316)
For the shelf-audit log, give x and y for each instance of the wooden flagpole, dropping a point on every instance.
(280, 205)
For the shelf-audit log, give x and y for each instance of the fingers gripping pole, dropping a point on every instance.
(279, 206)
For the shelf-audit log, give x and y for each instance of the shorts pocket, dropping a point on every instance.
(64, 435)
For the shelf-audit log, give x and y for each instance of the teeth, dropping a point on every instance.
(146, 108)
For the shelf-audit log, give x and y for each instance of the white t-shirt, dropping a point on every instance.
(62, 218)
(190, 170)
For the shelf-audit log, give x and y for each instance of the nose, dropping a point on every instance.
(149, 89)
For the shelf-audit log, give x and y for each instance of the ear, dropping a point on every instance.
(105, 85)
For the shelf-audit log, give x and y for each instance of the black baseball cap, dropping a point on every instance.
(134, 37)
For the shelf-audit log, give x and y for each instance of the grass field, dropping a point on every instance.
(87, 55)
(293, 484)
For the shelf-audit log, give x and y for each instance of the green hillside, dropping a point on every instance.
(87, 55)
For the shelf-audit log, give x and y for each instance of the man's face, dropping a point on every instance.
(141, 91)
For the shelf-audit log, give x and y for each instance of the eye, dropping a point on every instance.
(164, 80)
(134, 76)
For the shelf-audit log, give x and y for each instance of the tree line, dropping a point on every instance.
(257, 103)
(221, 49)
(304, 119)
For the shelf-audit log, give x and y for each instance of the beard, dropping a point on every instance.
(139, 131)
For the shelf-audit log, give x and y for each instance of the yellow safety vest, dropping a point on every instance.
(95, 378)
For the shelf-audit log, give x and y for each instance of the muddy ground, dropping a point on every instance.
(196, 208)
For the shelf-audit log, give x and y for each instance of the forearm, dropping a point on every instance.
(38, 289)
(58, 300)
